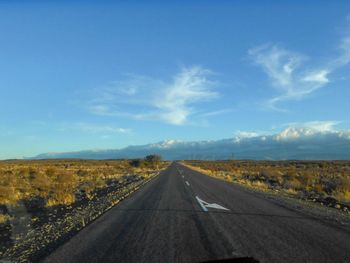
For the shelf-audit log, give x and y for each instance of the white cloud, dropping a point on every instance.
(146, 98)
(95, 128)
(295, 131)
(278, 63)
(188, 87)
(307, 129)
(320, 126)
(290, 73)
(246, 134)
(216, 113)
(99, 109)
(344, 57)
(241, 135)
(287, 73)
(317, 76)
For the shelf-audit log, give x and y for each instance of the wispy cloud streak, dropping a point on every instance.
(287, 73)
(290, 73)
(146, 98)
(95, 128)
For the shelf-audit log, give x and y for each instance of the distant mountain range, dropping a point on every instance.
(292, 143)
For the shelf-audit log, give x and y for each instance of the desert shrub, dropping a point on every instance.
(343, 189)
(258, 184)
(82, 173)
(344, 184)
(97, 181)
(64, 191)
(343, 196)
(4, 218)
(136, 163)
(31, 172)
(318, 187)
(61, 198)
(66, 180)
(294, 183)
(8, 195)
(50, 171)
(40, 184)
(329, 186)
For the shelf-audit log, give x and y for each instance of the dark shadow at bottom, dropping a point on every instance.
(234, 260)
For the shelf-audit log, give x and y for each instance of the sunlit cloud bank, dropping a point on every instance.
(298, 130)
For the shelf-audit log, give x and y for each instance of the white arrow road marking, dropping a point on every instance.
(205, 205)
(188, 184)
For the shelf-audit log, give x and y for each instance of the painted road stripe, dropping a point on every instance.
(188, 184)
(205, 205)
(200, 203)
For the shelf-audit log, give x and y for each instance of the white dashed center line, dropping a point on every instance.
(188, 184)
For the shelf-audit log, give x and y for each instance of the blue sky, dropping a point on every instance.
(106, 74)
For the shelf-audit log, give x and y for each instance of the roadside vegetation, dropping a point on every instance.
(327, 182)
(61, 182)
(42, 201)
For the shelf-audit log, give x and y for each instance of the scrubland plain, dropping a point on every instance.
(327, 182)
(44, 202)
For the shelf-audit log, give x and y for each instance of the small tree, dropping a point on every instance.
(153, 160)
(135, 162)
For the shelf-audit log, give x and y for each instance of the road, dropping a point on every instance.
(185, 216)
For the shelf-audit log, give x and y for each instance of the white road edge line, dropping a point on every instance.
(204, 205)
(188, 184)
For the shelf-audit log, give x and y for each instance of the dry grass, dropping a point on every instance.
(308, 178)
(4, 218)
(343, 196)
(58, 182)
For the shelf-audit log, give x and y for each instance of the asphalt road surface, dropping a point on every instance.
(185, 216)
